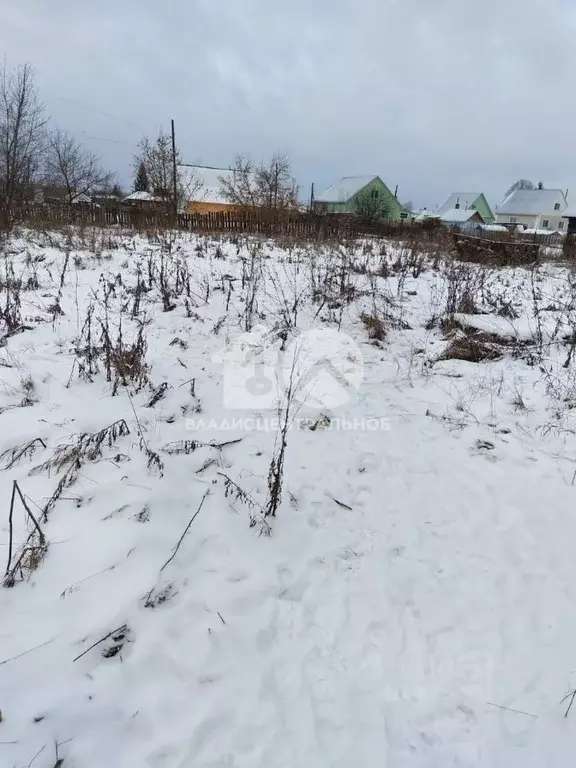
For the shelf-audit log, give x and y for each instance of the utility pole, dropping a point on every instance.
(312, 197)
(174, 173)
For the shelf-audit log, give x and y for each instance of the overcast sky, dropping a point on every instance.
(433, 95)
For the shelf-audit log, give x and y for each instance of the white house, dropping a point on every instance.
(534, 209)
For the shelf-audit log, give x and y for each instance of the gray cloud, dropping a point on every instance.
(433, 96)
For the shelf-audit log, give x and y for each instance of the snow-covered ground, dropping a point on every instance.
(413, 601)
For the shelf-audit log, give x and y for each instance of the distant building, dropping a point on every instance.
(475, 201)
(344, 197)
(462, 218)
(539, 209)
(56, 196)
(425, 215)
(105, 200)
(142, 200)
(202, 188)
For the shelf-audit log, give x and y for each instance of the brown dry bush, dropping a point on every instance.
(374, 326)
(470, 348)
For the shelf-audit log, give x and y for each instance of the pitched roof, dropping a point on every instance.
(457, 215)
(343, 190)
(143, 196)
(81, 198)
(532, 202)
(463, 199)
(202, 183)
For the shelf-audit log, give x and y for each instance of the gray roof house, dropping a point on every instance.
(467, 201)
(534, 209)
(464, 218)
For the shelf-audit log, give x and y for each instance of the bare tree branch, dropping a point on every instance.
(70, 166)
(370, 206)
(271, 187)
(22, 121)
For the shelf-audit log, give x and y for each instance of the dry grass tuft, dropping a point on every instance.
(473, 348)
(374, 326)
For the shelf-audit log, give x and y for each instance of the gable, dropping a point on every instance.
(483, 207)
(378, 185)
(462, 200)
(344, 190)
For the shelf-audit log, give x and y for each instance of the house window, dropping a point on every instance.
(546, 223)
(560, 225)
(513, 220)
(557, 207)
(374, 194)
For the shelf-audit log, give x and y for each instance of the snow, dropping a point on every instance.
(459, 215)
(529, 202)
(532, 231)
(463, 199)
(345, 189)
(204, 184)
(414, 604)
(142, 196)
(499, 326)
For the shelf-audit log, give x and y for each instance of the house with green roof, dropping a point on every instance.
(467, 201)
(352, 193)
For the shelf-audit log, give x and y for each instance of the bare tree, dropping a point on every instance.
(22, 121)
(268, 186)
(238, 188)
(371, 206)
(156, 156)
(276, 187)
(520, 184)
(189, 184)
(72, 167)
(154, 163)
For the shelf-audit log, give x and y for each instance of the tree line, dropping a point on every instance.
(33, 154)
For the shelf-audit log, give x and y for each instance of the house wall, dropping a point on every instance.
(377, 184)
(331, 207)
(481, 205)
(194, 207)
(555, 221)
(535, 222)
(350, 206)
(529, 222)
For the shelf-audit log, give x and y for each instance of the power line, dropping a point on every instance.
(93, 109)
(100, 138)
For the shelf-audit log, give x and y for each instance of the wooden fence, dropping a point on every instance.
(510, 246)
(297, 225)
(508, 251)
